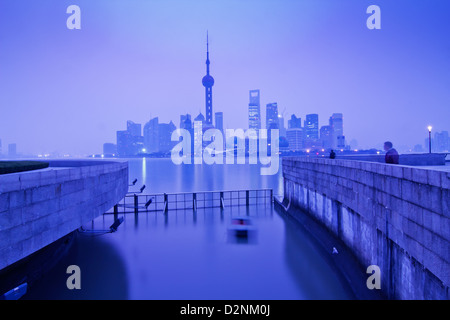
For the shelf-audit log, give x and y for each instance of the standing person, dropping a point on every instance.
(391, 154)
(332, 154)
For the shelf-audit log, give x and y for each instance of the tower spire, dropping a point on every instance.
(208, 82)
(207, 53)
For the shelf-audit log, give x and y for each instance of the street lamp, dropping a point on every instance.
(429, 138)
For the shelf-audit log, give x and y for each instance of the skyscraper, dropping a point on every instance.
(254, 110)
(164, 136)
(134, 128)
(219, 121)
(198, 135)
(208, 82)
(341, 142)
(12, 150)
(187, 124)
(281, 125)
(272, 116)
(441, 142)
(337, 130)
(294, 122)
(130, 141)
(124, 143)
(200, 118)
(151, 136)
(326, 137)
(294, 137)
(185, 121)
(312, 126)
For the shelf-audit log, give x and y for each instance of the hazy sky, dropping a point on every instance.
(71, 90)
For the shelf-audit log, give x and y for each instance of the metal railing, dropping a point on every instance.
(135, 203)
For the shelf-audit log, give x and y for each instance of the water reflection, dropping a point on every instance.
(187, 254)
(144, 169)
(162, 175)
(192, 258)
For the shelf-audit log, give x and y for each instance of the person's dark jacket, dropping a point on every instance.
(391, 156)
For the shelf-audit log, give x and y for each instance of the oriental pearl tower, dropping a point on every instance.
(208, 82)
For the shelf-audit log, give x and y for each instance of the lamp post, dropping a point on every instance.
(429, 138)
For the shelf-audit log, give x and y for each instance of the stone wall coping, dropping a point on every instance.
(58, 171)
(435, 177)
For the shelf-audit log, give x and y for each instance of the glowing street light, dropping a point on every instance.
(429, 138)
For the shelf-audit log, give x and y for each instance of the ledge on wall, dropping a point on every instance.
(417, 159)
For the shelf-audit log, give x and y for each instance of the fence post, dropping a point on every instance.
(166, 203)
(194, 201)
(136, 201)
(116, 212)
(221, 200)
(247, 197)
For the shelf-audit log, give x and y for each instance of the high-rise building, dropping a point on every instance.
(151, 136)
(200, 118)
(294, 122)
(134, 128)
(441, 142)
(185, 121)
(281, 126)
(312, 127)
(340, 142)
(208, 82)
(326, 137)
(124, 143)
(165, 136)
(254, 110)
(198, 135)
(272, 116)
(130, 141)
(294, 137)
(12, 150)
(219, 121)
(337, 130)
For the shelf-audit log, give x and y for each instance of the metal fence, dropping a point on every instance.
(134, 203)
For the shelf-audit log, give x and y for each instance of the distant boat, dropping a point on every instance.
(241, 227)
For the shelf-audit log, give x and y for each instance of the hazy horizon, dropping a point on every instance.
(69, 91)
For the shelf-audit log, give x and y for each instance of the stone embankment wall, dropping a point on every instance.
(393, 216)
(39, 207)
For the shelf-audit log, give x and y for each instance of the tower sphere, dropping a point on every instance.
(208, 81)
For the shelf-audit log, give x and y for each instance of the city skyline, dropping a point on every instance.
(390, 83)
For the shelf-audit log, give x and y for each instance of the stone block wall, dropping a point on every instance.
(393, 216)
(39, 207)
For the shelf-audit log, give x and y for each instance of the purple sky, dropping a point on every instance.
(69, 91)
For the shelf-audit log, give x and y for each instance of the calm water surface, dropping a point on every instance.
(187, 255)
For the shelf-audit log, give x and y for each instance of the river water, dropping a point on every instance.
(192, 255)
